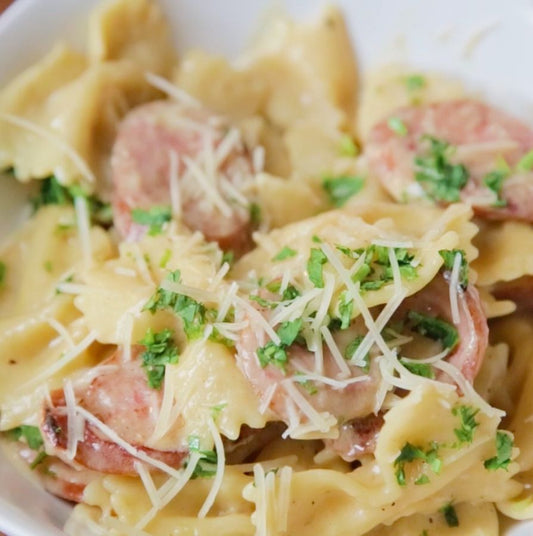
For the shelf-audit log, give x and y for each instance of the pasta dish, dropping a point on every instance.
(265, 297)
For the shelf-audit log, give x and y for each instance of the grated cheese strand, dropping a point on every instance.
(61, 330)
(344, 370)
(260, 518)
(130, 449)
(219, 476)
(321, 421)
(75, 427)
(467, 389)
(63, 361)
(454, 289)
(38, 130)
(210, 190)
(284, 497)
(258, 318)
(148, 484)
(171, 89)
(170, 490)
(84, 229)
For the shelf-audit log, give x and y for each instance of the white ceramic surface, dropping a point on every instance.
(428, 34)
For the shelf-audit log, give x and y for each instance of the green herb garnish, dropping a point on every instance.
(193, 314)
(340, 189)
(467, 414)
(442, 180)
(352, 348)
(53, 193)
(315, 267)
(276, 354)
(160, 350)
(434, 328)
(414, 82)
(397, 126)
(154, 218)
(420, 369)
(494, 182)
(526, 162)
(448, 256)
(347, 146)
(163, 261)
(285, 253)
(504, 450)
(450, 515)
(255, 214)
(31, 434)
(207, 464)
(410, 453)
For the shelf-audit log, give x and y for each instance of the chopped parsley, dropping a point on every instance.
(442, 180)
(276, 354)
(494, 182)
(288, 331)
(193, 314)
(308, 385)
(3, 270)
(160, 350)
(421, 480)
(51, 192)
(352, 347)
(33, 438)
(216, 410)
(420, 369)
(467, 414)
(415, 82)
(228, 257)
(255, 214)
(272, 354)
(410, 453)
(450, 515)
(315, 267)
(526, 162)
(31, 434)
(345, 312)
(504, 450)
(285, 253)
(290, 293)
(376, 270)
(163, 261)
(448, 256)
(347, 146)
(154, 218)
(263, 302)
(48, 266)
(340, 189)
(434, 328)
(207, 464)
(397, 126)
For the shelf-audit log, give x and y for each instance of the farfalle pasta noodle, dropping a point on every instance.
(333, 376)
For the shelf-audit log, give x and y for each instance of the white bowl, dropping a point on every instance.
(434, 34)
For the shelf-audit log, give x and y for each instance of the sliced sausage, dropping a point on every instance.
(212, 173)
(480, 136)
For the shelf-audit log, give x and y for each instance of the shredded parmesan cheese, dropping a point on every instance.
(63, 361)
(171, 90)
(36, 129)
(217, 480)
(454, 288)
(84, 226)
